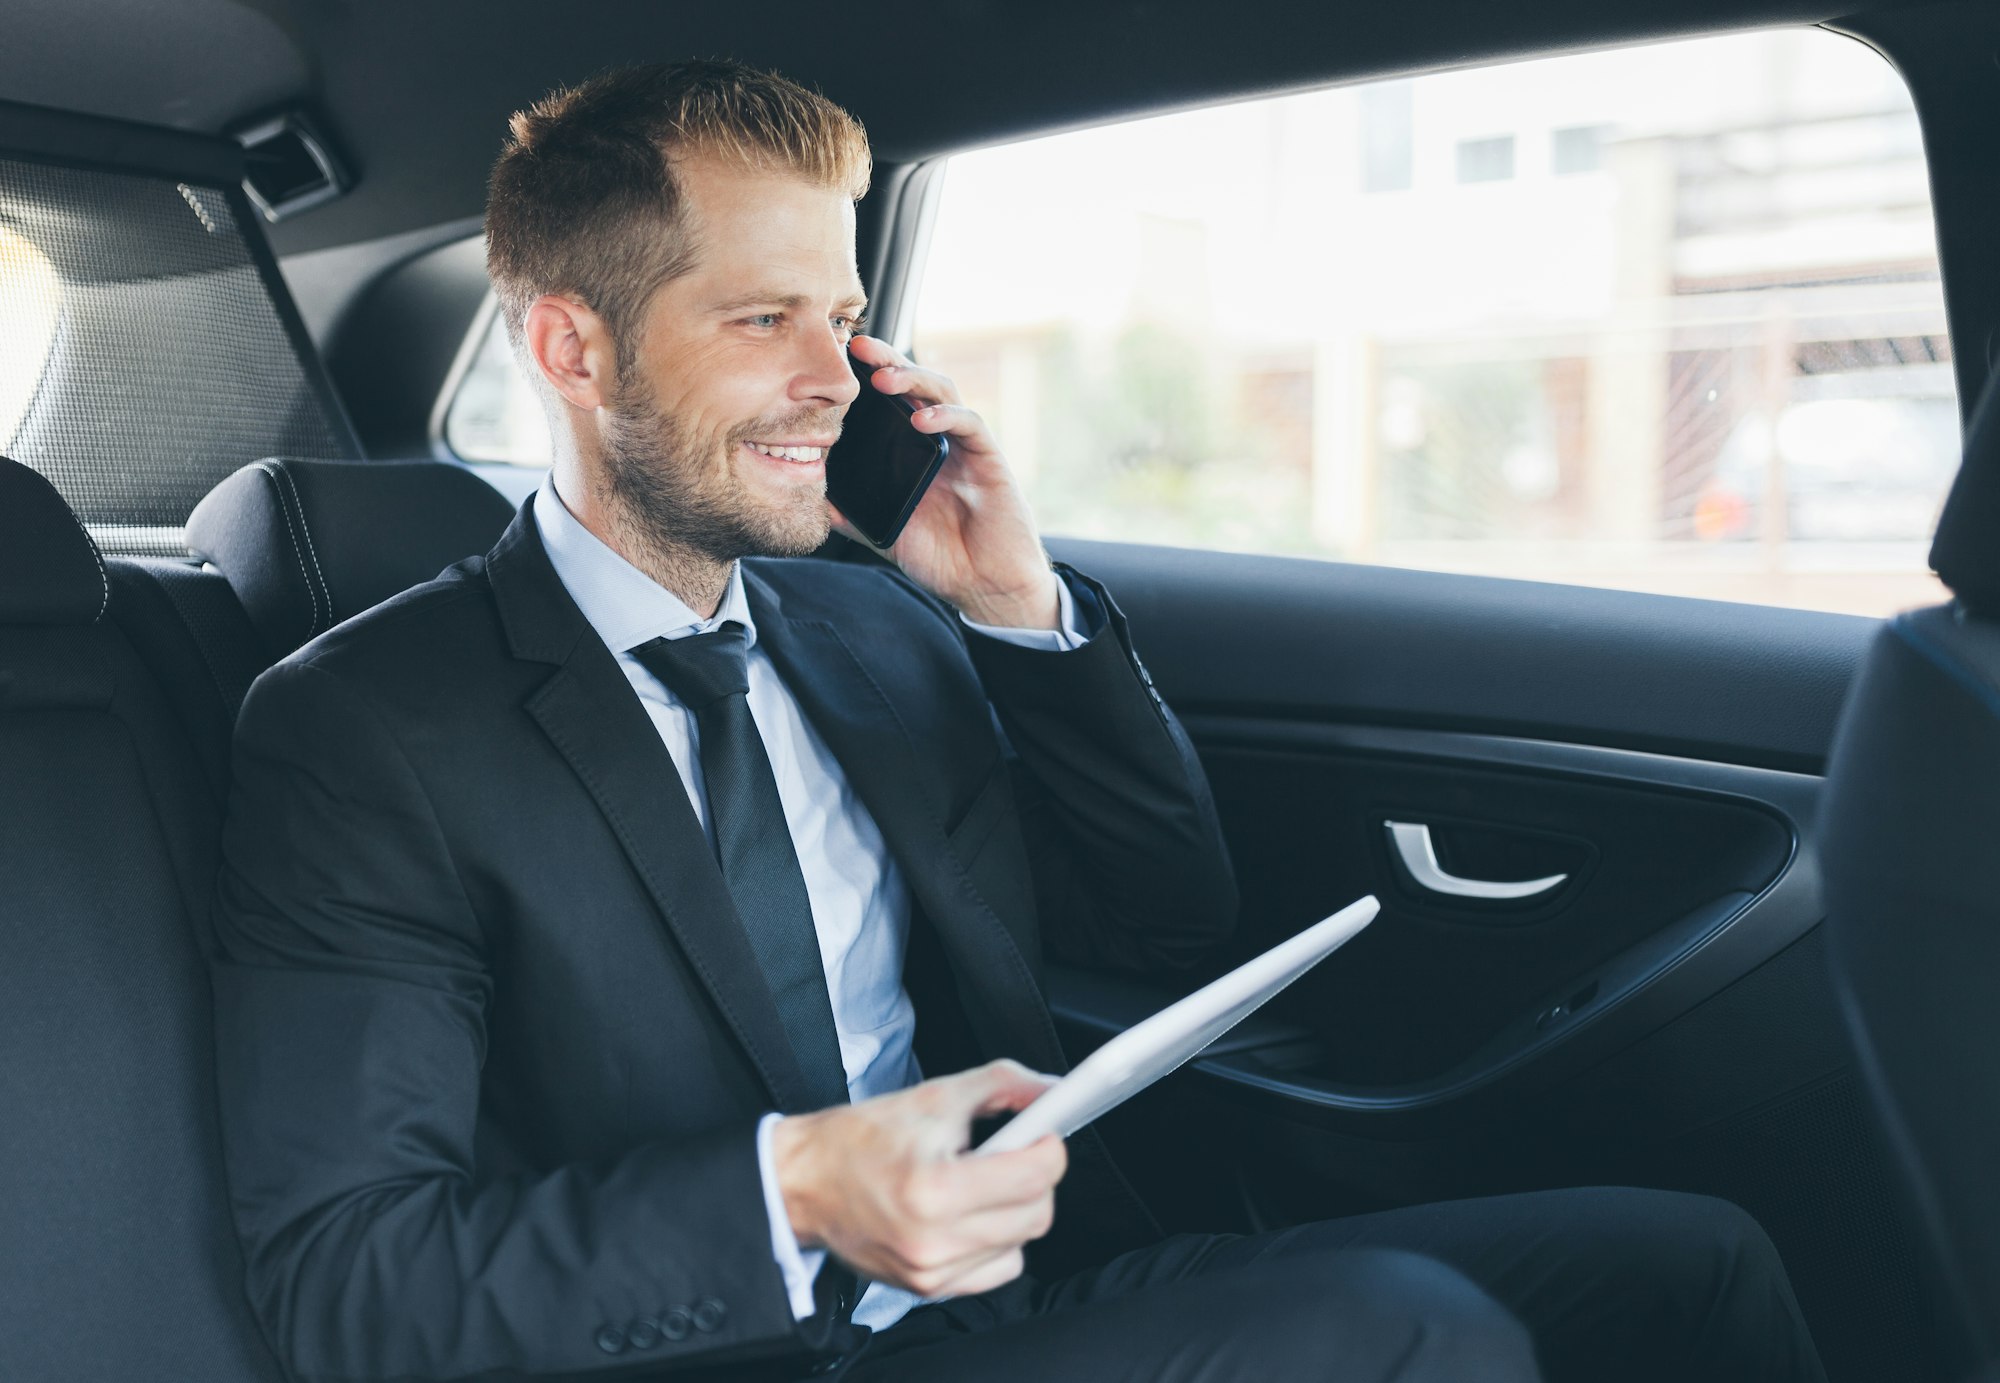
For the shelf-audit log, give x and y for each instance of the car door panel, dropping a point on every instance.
(1681, 873)
(1433, 1014)
(1661, 1017)
(1434, 981)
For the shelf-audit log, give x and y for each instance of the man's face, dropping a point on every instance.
(738, 380)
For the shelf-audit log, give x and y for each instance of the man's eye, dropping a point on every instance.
(851, 325)
(764, 319)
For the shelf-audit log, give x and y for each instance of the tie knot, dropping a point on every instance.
(700, 669)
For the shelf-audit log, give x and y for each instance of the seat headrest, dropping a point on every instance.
(1966, 552)
(50, 572)
(306, 544)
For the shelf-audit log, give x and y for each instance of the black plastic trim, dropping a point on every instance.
(892, 236)
(72, 140)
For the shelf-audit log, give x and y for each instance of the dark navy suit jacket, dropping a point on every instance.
(491, 1041)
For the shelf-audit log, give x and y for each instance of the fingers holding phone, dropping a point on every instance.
(962, 528)
(876, 474)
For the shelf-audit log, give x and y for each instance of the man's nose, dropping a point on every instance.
(825, 377)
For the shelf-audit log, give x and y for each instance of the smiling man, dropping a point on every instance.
(592, 916)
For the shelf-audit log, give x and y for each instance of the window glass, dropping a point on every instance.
(142, 358)
(495, 415)
(30, 305)
(1666, 318)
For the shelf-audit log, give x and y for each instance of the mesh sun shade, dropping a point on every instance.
(141, 357)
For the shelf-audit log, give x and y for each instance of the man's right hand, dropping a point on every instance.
(884, 1185)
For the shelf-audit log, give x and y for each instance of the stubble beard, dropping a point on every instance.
(679, 506)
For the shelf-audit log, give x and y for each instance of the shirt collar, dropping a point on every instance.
(624, 605)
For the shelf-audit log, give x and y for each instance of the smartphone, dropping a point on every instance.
(881, 465)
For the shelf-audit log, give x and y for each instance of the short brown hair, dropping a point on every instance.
(584, 200)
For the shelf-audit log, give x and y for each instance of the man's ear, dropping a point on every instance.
(572, 348)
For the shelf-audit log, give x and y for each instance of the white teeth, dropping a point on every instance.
(790, 453)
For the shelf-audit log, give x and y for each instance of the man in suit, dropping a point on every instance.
(591, 916)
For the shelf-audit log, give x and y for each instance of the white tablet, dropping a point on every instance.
(1156, 1047)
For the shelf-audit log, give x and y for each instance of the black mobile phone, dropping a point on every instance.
(881, 465)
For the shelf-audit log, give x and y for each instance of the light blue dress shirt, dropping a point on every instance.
(860, 903)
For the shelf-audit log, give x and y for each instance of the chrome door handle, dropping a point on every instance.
(1413, 846)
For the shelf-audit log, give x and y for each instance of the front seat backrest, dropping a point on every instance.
(1912, 852)
(118, 1259)
(307, 544)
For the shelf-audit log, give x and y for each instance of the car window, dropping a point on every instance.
(494, 414)
(30, 306)
(1666, 319)
(143, 357)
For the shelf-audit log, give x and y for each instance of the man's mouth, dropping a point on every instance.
(801, 452)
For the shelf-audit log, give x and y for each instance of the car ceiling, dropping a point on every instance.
(414, 96)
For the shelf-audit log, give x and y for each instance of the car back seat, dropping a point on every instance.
(119, 683)
(116, 1248)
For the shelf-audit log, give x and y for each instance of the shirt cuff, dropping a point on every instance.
(1067, 636)
(798, 1266)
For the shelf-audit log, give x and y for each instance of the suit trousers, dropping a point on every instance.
(1591, 1284)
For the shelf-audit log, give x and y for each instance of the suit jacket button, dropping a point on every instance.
(676, 1324)
(709, 1315)
(610, 1339)
(643, 1333)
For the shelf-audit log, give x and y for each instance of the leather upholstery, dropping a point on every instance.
(1913, 888)
(50, 571)
(307, 544)
(115, 1242)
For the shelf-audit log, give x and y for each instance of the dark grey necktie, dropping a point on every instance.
(709, 673)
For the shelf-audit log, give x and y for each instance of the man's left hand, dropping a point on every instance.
(972, 540)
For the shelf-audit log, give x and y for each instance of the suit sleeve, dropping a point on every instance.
(351, 982)
(1131, 872)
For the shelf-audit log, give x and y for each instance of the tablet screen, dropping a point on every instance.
(1160, 1045)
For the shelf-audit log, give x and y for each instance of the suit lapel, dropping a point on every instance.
(859, 723)
(591, 715)
(856, 713)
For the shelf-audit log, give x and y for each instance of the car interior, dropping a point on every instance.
(1683, 893)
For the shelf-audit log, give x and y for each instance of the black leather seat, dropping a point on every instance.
(307, 544)
(116, 1251)
(1912, 851)
(119, 682)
